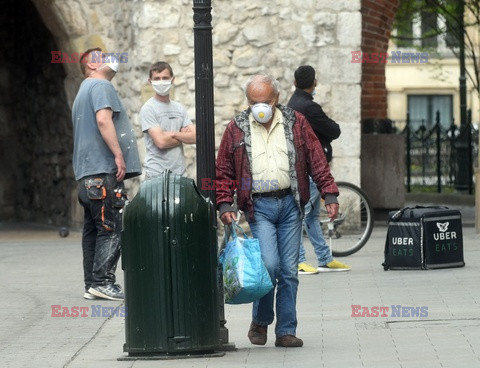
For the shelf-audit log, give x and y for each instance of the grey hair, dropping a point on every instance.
(263, 78)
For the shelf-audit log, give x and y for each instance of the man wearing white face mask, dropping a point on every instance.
(104, 154)
(271, 150)
(165, 125)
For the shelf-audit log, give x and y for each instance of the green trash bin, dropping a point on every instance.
(169, 259)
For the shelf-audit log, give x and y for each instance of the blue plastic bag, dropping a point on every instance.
(245, 277)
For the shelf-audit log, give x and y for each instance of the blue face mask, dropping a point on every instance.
(314, 93)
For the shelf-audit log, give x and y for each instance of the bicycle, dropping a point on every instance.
(352, 228)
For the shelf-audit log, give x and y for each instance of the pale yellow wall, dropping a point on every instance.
(435, 77)
(439, 76)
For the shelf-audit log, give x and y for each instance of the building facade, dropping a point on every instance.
(423, 73)
(275, 36)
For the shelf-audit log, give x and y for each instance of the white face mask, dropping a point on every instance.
(111, 62)
(262, 112)
(162, 87)
(113, 65)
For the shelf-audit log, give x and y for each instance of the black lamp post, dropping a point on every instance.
(204, 103)
(463, 79)
(202, 30)
(461, 176)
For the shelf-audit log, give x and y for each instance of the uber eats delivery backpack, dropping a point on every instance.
(424, 238)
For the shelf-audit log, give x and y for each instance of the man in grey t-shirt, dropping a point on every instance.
(165, 125)
(104, 154)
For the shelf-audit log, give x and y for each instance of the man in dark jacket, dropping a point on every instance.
(326, 130)
(269, 151)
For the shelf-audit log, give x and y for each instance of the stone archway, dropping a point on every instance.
(35, 123)
(35, 95)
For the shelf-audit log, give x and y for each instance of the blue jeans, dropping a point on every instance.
(102, 227)
(314, 230)
(278, 227)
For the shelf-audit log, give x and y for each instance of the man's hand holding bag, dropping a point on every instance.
(245, 277)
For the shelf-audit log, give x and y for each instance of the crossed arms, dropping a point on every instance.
(164, 139)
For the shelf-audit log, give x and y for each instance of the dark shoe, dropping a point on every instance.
(289, 341)
(257, 334)
(106, 292)
(89, 296)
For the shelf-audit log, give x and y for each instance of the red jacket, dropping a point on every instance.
(305, 154)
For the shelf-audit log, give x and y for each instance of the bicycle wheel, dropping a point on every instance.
(353, 226)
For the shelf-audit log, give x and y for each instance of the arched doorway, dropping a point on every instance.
(36, 179)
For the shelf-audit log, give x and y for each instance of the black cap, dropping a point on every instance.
(304, 76)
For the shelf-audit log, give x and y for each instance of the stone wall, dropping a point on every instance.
(274, 36)
(383, 170)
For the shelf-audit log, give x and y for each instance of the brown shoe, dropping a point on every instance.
(289, 341)
(257, 334)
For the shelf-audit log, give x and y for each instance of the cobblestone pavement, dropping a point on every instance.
(41, 273)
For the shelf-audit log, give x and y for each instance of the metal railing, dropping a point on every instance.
(437, 155)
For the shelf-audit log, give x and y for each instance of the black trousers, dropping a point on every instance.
(103, 199)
